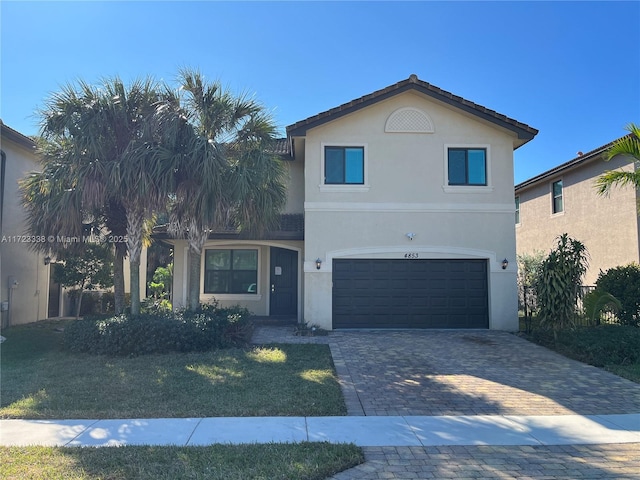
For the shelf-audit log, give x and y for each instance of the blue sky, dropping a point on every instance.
(569, 69)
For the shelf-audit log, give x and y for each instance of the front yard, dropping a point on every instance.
(40, 380)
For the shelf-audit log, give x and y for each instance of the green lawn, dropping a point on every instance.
(40, 380)
(302, 461)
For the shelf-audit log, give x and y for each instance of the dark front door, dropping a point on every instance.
(284, 282)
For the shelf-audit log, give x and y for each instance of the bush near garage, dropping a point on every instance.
(601, 346)
(207, 328)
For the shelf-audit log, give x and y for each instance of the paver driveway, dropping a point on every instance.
(474, 373)
(470, 373)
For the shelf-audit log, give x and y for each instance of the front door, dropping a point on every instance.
(284, 282)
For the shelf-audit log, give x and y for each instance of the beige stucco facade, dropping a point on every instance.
(608, 226)
(406, 191)
(24, 277)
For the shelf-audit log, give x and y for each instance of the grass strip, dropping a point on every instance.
(302, 461)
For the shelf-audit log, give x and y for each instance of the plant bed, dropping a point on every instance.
(613, 347)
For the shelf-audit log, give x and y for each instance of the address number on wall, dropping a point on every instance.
(410, 255)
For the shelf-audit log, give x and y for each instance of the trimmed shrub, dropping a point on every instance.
(206, 328)
(624, 284)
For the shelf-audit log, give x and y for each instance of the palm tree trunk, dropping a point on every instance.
(195, 258)
(197, 237)
(79, 304)
(118, 279)
(135, 221)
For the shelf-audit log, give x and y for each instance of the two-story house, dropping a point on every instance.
(565, 200)
(406, 195)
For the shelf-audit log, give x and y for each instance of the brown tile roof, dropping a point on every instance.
(579, 160)
(524, 132)
(291, 227)
(282, 147)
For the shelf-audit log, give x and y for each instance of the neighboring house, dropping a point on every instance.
(24, 277)
(564, 200)
(406, 195)
(27, 290)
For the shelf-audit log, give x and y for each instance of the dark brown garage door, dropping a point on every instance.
(410, 293)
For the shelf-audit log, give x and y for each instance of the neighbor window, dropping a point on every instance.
(556, 193)
(467, 166)
(231, 271)
(344, 165)
(517, 210)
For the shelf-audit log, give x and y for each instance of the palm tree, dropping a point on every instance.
(112, 164)
(226, 177)
(629, 145)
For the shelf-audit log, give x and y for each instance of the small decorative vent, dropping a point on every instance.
(409, 120)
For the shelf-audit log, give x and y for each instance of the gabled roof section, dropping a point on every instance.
(523, 131)
(16, 136)
(581, 159)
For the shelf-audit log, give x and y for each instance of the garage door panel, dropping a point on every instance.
(392, 293)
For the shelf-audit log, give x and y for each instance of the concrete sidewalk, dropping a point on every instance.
(365, 431)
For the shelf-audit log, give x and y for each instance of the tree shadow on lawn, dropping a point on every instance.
(282, 380)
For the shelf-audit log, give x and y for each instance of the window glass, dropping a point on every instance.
(557, 197)
(344, 165)
(517, 210)
(457, 167)
(245, 259)
(231, 271)
(334, 165)
(354, 165)
(476, 167)
(218, 259)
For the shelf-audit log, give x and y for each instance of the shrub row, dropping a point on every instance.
(599, 346)
(209, 327)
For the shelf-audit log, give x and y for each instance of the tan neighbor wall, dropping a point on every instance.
(28, 300)
(608, 226)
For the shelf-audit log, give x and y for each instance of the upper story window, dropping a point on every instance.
(231, 271)
(343, 165)
(517, 210)
(467, 166)
(556, 197)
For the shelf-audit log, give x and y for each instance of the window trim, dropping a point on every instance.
(553, 197)
(346, 187)
(488, 188)
(234, 296)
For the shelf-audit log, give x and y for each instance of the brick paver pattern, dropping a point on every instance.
(474, 373)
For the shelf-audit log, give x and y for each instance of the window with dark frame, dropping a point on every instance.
(557, 202)
(467, 166)
(231, 271)
(344, 165)
(517, 210)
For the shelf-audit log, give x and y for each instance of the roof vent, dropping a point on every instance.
(580, 154)
(413, 78)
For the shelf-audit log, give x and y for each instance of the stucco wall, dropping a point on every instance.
(257, 303)
(29, 298)
(406, 191)
(608, 226)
